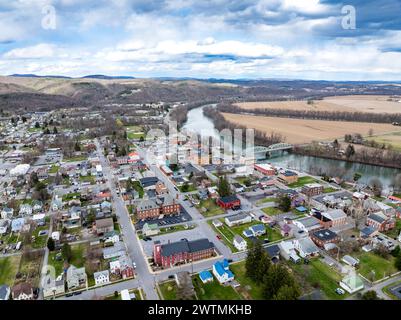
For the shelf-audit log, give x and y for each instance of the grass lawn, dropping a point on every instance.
(30, 267)
(214, 290)
(90, 179)
(251, 290)
(226, 235)
(77, 158)
(137, 186)
(78, 258)
(265, 200)
(212, 209)
(10, 238)
(271, 211)
(54, 169)
(40, 241)
(8, 269)
(370, 261)
(189, 188)
(271, 234)
(329, 189)
(168, 290)
(135, 135)
(302, 181)
(317, 274)
(70, 196)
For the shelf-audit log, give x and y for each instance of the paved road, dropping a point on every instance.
(145, 278)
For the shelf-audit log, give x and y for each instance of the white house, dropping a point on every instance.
(7, 213)
(306, 247)
(239, 243)
(222, 271)
(307, 224)
(25, 210)
(4, 224)
(237, 219)
(102, 277)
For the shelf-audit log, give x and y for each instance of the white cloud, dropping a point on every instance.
(43, 50)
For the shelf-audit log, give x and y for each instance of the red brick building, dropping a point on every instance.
(312, 189)
(324, 236)
(229, 202)
(152, 209)
(184, 251)
(380, 221)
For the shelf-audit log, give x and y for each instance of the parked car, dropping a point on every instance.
(218, 236)
(340, 291)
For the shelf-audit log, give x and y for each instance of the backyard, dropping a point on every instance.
(375, 267)
(249, 289)
(302, 181)
(318, 275)
(210, 208)
(214, 290)
(9, 269)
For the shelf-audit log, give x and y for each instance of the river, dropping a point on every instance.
(200, 124)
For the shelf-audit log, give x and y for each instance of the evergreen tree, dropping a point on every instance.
(55, 131)
(223, 187)
(66, 252)
(287, 292)
(257, 262)
(50, 244)
(278, 278)
(284, 203)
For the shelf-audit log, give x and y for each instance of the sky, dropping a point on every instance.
(232, 39)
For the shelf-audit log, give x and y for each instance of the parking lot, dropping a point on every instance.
(192, 234)
(167, 220)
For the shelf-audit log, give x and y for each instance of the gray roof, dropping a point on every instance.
(308, 221)
(186, 246)
(238, 239)
(325, 234)
(147, 205)
(237, 217)
(4, 292)
(308, 246)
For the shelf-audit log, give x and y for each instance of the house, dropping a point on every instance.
(352, 284)
(122, 266)
(17, 224)
(148, 183)
(150, 229)
(247, 233)
(237, 219)
(351, 261)
(183, 251)
(4, 225)
(205, 276)
(229, 202)
(265, 168)
(53, 287)
(4, 292)
(237, 188)
(307, 224)
(267, 181)
(287, 177)
(103, 226)
(286, 230)
(273, 252)
(7, 213)
(258, 230)
(76, 278)
(312, 189)
(39, 219)
(126, 295)
(306, 247)
(102, 277)
(380, 221)
(147, 209)
(161, 188)
(25, 210)
(239, 243)
(324, 236)
(111, 237)
(217, 223)
(222, 272)
(368, 232)
(22, 291)
(115, 251)
(287, 251)
(72, 218)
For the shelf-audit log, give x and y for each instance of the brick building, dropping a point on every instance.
(184, 251)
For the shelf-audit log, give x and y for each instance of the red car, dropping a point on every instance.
(218, 237)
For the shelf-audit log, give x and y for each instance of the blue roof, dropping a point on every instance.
(257, 227)
(219, 268)
(205, 275)
(247, 233)
(301, 209)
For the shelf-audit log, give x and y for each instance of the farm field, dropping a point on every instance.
(298, 131)
(393, 139)
(373, 104)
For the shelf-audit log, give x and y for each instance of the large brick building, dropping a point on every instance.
(152, 209)
(312, 189)
(229, 202)
(184, 251)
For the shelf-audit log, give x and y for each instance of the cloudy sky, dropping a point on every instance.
(302, 39)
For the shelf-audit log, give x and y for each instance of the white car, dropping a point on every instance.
(340, 291)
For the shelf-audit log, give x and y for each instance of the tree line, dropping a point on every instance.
(315, 114)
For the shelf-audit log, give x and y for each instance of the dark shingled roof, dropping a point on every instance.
(170, 249)
(228, 199)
